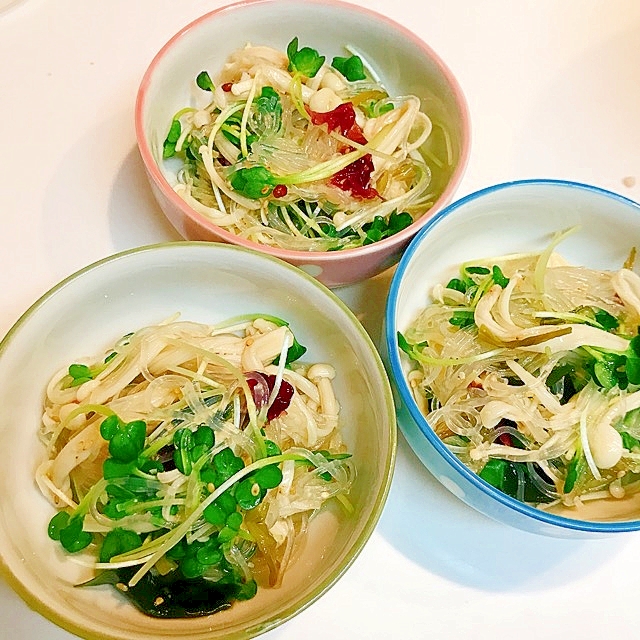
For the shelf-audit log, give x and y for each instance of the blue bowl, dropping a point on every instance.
(506, 218)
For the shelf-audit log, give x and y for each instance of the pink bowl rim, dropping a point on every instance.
(290, 255)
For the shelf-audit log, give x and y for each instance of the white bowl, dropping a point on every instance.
(405, 64)
(208, 283)
(507, 218)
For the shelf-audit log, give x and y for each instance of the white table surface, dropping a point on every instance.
(554, 91)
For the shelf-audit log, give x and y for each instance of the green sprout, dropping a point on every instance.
(306, 61)
(118, 541)
(577, 466)
(126, 440)
(250, 491)
(253, 182)
(169, 146)
(80, 373)
(462, 318)
(203, 80)
(190, 446)
(269, 102)
(68, 531)
(380, 228)
(350, 67)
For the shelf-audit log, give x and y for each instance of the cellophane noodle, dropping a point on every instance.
(526, 368)
(180, 376)
(328, 185)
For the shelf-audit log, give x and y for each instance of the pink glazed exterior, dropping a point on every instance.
(333, 268)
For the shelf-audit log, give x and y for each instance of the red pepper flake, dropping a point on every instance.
(227, 86)
(343, 119)
(283, 398)
(505, 439)
(280, 191)
(355, 134)
(356, 178)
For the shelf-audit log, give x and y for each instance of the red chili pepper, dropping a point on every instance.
(282, 399)
(280, 191)
(343, 119)
(355, 177)
(227, 86)
(505, 439)
(355, 134)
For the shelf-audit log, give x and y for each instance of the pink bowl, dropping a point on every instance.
(405, 64)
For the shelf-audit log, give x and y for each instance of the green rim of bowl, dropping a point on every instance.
(290, 612)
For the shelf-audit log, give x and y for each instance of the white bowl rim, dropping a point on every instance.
(405, 393)
(318, 257)
(73, 626)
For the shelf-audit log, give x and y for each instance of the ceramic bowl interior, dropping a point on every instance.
(508, 218)
(404, 64)
(204, 282)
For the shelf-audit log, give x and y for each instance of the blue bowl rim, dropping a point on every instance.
(405, 394)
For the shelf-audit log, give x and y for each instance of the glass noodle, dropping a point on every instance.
(528, 369)
(288, 150)
(189, 459)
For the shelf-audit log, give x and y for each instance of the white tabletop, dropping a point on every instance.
(554, 91)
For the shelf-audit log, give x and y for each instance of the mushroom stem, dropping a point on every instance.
(322, 375)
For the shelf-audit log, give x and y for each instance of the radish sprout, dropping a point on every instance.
(187, 463)
(528, 369)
